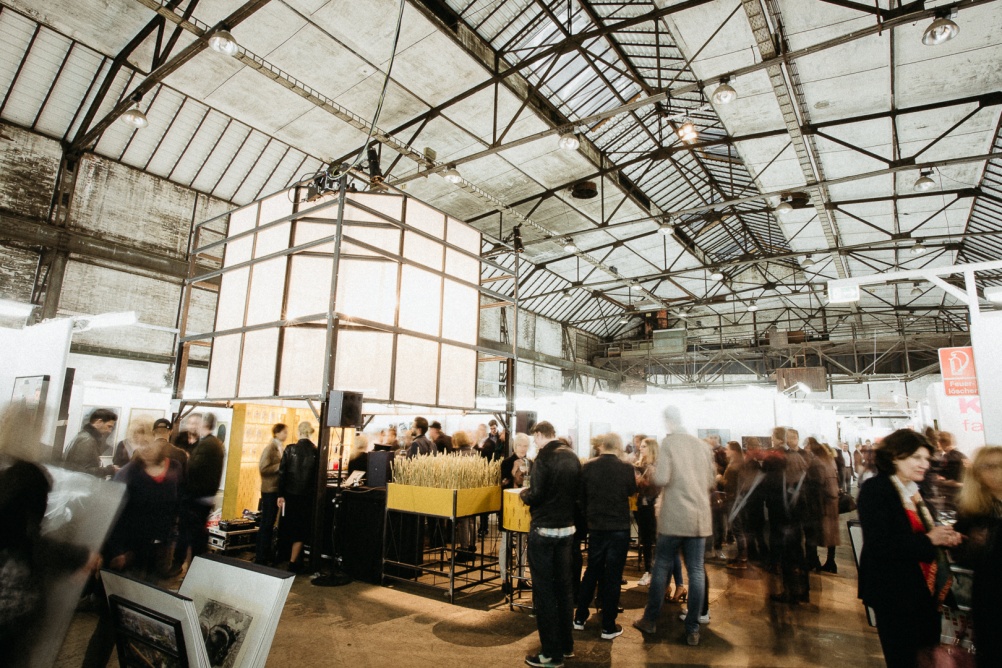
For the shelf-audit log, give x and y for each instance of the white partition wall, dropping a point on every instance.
(406, 304)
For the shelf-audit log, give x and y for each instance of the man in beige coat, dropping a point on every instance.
(685, 471)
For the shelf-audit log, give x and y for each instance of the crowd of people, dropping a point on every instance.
(922, 506)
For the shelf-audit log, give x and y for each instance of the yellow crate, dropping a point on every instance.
(516, 514)
(439, 502)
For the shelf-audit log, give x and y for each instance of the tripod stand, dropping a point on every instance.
(337, 577)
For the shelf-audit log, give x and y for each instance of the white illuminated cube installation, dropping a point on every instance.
(407, 302)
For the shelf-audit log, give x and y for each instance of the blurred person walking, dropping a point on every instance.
(980, 519)
(297, 483)
(198, 494)
(647, 495)
(685, 470)
(824, 525)
(268, 465)
(607, 483)
(552, 500)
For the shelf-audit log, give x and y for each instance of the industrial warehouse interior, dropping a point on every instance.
(627, 222)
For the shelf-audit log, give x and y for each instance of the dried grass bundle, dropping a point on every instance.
(452, 471)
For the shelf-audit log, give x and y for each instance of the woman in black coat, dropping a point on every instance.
(980, 520)
(900, 550)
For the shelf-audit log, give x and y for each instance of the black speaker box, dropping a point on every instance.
(524, 421)
(378, 468)
(344, 409)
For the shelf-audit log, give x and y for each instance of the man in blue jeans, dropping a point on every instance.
(552, 499)
(685, 471)
(607, 483)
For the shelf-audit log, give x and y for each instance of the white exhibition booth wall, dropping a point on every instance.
(961, 416)
(40, 350)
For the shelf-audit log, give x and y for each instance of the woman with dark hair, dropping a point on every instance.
(903, 574)
(822, 475)
(647, 496)
(980, 508)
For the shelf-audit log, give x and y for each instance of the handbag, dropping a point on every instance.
(956, 649)
(846, 504)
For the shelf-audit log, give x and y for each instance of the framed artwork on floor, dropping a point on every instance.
(146, 638)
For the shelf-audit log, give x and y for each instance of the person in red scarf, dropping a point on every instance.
(903, 574)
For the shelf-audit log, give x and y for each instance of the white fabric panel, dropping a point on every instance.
(462, 266)
(309, 286)
(387, 238)
(223, 366)
(267, 286)
(232, 298)
(364, 362)
(303, 361)
(388, 205)
(242, 220)
(458, 386)
(257, 370)
(460, 234)
(422, 250)
(420, 301)
(272, 240)
(277, 206)
(460, 313)
(238, 251)
(426, 219)
(367, 289)
(416, 371)
(306, 232)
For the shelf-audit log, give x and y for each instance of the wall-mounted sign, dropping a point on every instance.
(957, 367)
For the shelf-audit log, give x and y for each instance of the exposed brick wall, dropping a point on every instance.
(28, 167)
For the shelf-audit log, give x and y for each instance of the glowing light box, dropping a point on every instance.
(406, 301)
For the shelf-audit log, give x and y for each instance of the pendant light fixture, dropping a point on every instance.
(687, 132)
(569, 141)
(943, 29)
(566, 295)
(570, 246)
(918, 248)
(753, 307)
(717, 275)
(924, 182)
(134, 116)
(725, 93)
(784, 205)
(452, 175)
(222, 41)
(916, 291)
(666, 228)
(808, 262)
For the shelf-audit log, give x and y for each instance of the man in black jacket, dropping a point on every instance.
(205, 469)
(607, 483)
(84, 453)
(552, 499)
(421, 445)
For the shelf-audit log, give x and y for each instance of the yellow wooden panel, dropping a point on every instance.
(478, 500)
(516, 514)
(436, 501)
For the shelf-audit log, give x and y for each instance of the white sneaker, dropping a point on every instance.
(703, 619)
(578, 626)
(645, 580)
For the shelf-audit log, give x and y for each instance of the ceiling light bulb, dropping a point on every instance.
(222, 41)
(666, 229)
(688, 133)
(918, 248)
(725, 93)
(624, 319)
(939, 31)
(717, 275)
(452, 175)
(566, 295)
(808, 262)
(784, 207)
(924, 183)
(916, 291)
(753, 307)
(570, 246)
(135, 117)
(569, 142)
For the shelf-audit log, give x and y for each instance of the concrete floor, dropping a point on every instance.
(362, 625)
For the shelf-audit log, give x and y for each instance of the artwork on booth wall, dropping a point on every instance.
(146, 638)
(714, 437)
(111, 439)
(225, 628)
(149, 414)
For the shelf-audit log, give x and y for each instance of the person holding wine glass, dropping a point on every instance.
(515, 467)
(903, 570)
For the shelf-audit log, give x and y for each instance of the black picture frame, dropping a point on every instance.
(145, 637)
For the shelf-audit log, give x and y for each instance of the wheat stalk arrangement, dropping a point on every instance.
(450, 471)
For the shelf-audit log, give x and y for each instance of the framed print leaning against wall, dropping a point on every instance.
(146, 638)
